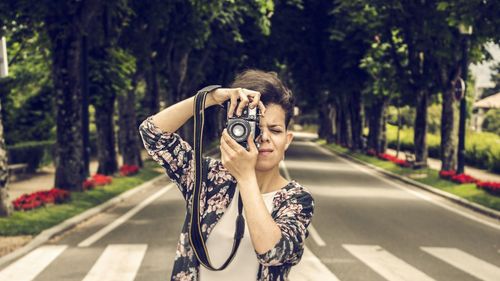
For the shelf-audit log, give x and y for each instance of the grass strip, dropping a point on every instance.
(35, 221)
(426, 176)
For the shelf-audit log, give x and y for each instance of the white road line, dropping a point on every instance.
(465, 262)
(418, 194)
(119, 262)
(285, 170)
(310, 268)
(29, 266)
(384, 263)
(110, 227)
(314, 234)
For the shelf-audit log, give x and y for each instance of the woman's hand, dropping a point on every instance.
(247, 98)
(236, 159)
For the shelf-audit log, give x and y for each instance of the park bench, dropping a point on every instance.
(17, 169)
(410, 158)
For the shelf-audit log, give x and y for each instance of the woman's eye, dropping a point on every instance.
(276, 131)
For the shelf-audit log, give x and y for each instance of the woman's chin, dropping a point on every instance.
(264, 165)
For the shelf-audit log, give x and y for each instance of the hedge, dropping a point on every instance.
(38, 153)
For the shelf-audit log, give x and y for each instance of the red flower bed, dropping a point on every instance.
(40, 198)
(100, 179)
(463, 178)
(447, 174)
(394, 159)
(489, 186)
(128, 170)
(88, 184)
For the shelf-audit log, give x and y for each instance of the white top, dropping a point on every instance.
(220, 242)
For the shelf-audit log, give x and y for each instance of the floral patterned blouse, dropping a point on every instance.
(292, 210)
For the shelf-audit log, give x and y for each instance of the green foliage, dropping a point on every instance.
(28, 107)
(492, 121)
(32, 153)
(110, 73)
(495, 78)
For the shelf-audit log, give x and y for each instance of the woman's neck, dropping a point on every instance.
(271, 180)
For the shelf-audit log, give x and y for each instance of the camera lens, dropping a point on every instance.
(238, 130)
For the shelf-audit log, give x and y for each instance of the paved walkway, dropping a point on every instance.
(435, 164)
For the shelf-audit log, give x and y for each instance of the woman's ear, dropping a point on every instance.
(289, 138)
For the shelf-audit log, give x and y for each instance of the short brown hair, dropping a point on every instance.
(271, 88)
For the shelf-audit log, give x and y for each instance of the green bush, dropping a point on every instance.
(38, 153)
(32, 153)
(492, 121)
(482, 150)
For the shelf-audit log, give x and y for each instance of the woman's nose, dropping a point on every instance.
(264, 136)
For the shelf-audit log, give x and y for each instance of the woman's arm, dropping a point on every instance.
(264, 232)
(173, 117)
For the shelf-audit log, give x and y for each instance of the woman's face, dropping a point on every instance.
(274, 139)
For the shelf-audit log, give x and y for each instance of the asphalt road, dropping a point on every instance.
(365, 227)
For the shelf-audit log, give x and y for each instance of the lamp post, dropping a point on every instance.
(466, 31)
(4, 63)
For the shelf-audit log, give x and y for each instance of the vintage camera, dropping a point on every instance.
(240, 127)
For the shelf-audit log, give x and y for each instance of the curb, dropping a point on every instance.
(47, 234)
(461, 201)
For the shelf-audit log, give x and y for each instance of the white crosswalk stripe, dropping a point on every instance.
(466, 262)
(119, 262)
(310, 268)
(29, 266)
(384, 263)
(123, 261)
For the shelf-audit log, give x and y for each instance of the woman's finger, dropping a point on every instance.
(243, 103)
(233, 103)
(262, 108)
(255, 99)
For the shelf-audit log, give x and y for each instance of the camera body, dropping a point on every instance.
(240, 127)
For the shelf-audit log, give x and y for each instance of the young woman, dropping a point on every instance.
(277, 211)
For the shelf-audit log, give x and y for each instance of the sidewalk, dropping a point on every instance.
(435, 164)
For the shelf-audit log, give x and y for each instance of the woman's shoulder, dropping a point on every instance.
(296, 191)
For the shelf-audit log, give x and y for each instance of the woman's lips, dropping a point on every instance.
(265, 152)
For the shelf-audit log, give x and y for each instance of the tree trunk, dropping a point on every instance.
(151, 101)
(376, 133)
(70, 170)
(420, 127)
(129, 142)
(325, 129)
(448, 149)
(5, 201)
(356, 120)
(106, 152)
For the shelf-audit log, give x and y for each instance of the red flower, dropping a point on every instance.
(489, 186)
(128, 170)
(394, 159)
(88, 184)
(463, 178)
(446, 174)
(40, 198)
(100, 179)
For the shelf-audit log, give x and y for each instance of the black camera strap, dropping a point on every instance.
(195, 236)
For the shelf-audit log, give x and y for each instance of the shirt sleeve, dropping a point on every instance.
(293, 218)
(172, 152)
